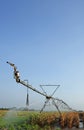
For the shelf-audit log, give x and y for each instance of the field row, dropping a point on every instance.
(19, 120)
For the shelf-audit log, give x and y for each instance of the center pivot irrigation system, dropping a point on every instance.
(58, 103)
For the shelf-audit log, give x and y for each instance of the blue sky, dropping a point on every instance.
(45, 39)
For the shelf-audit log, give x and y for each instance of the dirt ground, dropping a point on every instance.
(73, 129)
(70, 129)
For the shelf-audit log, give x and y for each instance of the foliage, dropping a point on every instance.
(26, 120)
(69, 120)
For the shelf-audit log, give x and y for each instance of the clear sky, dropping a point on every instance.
(45, 39)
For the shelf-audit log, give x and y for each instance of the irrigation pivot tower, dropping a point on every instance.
(47, 99)
(58, 103)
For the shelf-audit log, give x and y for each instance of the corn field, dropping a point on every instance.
(31, 120)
